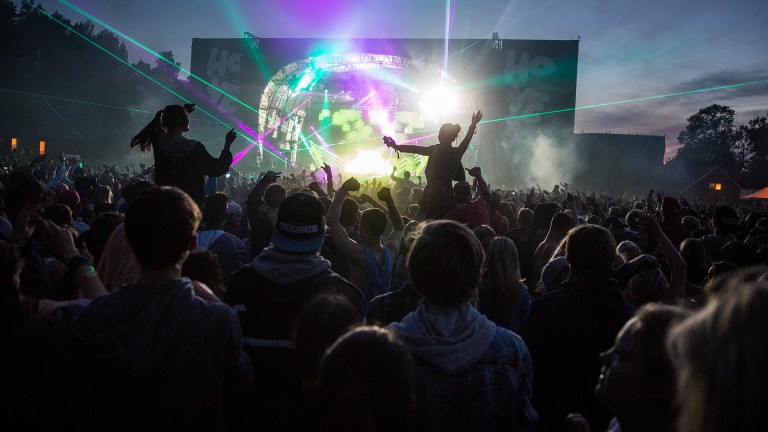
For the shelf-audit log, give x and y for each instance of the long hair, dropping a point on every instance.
(149, 135)
(170, 117)
(721, 353)
(502, 271)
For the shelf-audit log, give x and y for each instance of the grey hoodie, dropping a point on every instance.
(452, 339)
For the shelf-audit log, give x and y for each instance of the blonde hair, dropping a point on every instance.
(502, 272)
(722, 352)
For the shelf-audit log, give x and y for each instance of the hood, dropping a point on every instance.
(132, 328)
(286, 268)
(452, 339)
(174, 149)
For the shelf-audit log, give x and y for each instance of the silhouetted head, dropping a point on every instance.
(448, 133)
(175, 119)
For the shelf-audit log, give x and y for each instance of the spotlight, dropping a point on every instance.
(438, 102)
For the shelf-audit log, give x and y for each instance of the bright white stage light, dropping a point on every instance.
(368, 162)
(439, 102)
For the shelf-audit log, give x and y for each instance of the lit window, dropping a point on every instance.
(716, 186)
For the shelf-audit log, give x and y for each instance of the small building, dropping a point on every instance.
(715, 186)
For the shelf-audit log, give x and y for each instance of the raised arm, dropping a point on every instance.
(329, 179)
(677, 265)
(345, 245)
(424, 151)
(476, 117)
(385, 194)
(216, 167)
(485, 192)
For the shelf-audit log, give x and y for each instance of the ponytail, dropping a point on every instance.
(148, 136)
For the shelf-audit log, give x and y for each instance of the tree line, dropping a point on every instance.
(711, 138)
(57, 84)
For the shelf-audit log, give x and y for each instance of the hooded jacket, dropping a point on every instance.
(269, 292)
(471, 375)
(151, 357)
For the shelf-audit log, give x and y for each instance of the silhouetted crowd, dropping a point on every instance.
(188, 295)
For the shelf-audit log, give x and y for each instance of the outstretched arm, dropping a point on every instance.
(476, 117)
(424, 151)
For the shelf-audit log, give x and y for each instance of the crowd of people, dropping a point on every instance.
(177, 297)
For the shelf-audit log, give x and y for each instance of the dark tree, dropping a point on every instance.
(755, 142)
(709, 139)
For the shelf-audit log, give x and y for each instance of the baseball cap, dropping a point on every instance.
(300, 225)
(233, 208)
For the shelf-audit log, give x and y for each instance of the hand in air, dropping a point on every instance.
(327, 170)
(385, 194)
(230, 138)
(474, 172)
(351, 185)
(476, 117)
(389, 142)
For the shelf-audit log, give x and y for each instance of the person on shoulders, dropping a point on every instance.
(443, 166)
(180, 161)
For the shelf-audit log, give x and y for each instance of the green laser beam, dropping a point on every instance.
(37, 7)
(90, 103)
(304, 141)
(466, 48)
(154, 53)
(74, 100)
(604, 104)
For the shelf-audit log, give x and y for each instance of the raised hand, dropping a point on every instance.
(351, 185)
(230, 137)
(476, 117)
(385, 194)
(327, 170)
(390, 142)
(474, 172)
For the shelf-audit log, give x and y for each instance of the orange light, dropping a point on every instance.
(718, 186)
(14, 143)
(42, 147)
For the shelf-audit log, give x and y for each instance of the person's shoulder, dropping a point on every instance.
(508, 338)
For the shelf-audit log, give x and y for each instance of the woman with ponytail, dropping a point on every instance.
(179, 161)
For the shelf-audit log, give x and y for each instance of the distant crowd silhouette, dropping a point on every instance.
(188, 295)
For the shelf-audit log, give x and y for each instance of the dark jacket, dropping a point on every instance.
(565, 333)
(151, 357)
(185, 164)
(268, 295)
